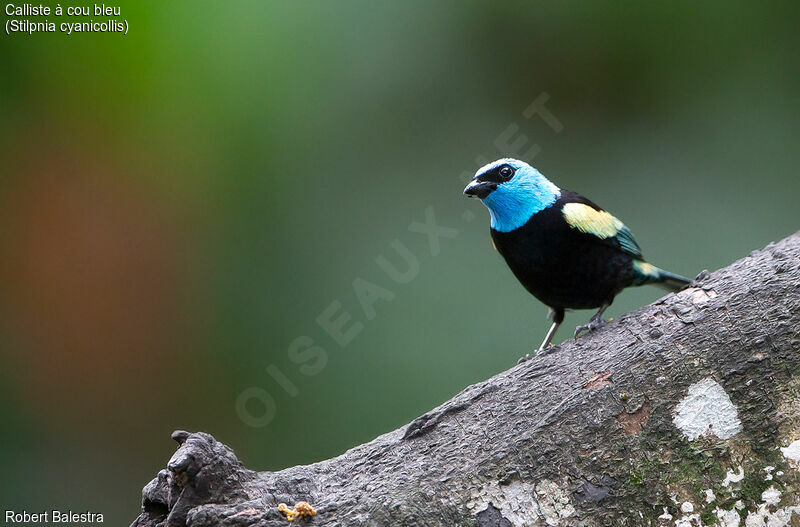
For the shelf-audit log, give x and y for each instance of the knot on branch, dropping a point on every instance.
(202, 471)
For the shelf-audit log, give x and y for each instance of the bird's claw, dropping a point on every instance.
(541, 352)
(593, 324)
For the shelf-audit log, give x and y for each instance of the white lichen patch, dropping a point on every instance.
(516, 501)
(727, 518)
(697, 295)
(766, 515)
(553, 502)
(730, 477)
(780, 518)
(688, 521)
(707, 410)
(523, 503)
(771, 496)
(768, 470)
(710, 496)
(792, 454)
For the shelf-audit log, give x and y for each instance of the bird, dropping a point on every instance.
(563, 248)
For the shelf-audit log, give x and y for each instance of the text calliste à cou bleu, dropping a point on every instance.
(25, 25)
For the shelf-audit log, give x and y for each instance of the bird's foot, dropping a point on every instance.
(594, 323)
(541, 352)
(547, 350)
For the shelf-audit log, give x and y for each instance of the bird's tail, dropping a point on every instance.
(650, 274)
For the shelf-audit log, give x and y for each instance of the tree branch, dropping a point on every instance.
(686, 410)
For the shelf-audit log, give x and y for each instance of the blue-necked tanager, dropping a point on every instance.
(565, 250)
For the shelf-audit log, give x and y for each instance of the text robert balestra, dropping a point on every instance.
(52, 516)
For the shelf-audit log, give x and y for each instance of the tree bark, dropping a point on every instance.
(685, 412)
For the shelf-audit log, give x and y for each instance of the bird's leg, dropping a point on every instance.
(548, 339)
(557, 315)
(595, 322)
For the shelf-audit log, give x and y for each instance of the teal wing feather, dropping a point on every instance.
(583, 215)
(625, 240)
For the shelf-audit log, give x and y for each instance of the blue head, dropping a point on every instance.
(513, 191)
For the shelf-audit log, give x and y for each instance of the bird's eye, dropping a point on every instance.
(506, 172)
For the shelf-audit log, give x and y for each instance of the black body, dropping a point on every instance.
(561, 266)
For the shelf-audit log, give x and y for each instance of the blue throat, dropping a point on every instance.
(512, 205)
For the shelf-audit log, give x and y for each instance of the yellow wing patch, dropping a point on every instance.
(586, 219)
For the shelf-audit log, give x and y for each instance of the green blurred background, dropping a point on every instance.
(179, 204)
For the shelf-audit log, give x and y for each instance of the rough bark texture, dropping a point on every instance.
(685, 412)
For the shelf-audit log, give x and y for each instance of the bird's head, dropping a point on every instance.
(513, 191)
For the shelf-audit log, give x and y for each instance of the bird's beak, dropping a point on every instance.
(479, 189)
